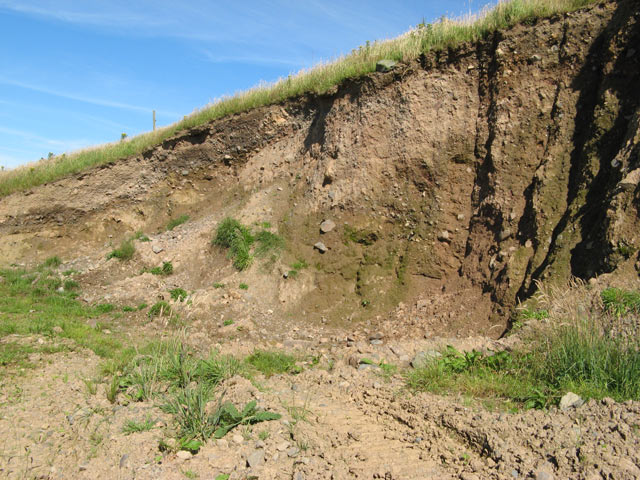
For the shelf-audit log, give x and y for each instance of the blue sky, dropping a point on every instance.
(75, 73)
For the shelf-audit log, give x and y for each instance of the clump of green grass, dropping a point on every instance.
(160, 309)
(124, 252)
(135, 427)
(271, 363)
(243, 286)
(165, 269)
(237, 238)
(141, 237)
(228, 322)
(218, 285)
(620, 302)
(423, 39)
(177, 221)
(296, 267)
(178, 294)
(52, 262)
(580, 356)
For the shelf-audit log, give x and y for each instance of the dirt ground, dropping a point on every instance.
(454, 183)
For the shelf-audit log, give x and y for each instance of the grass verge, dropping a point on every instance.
(440, 35)
(586, 353)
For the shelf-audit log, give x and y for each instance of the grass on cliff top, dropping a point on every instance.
(319, 79)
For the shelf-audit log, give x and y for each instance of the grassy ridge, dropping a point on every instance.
(423, 39)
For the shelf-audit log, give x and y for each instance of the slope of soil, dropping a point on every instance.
(455, 183)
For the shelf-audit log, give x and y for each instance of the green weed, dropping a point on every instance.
(218, 285)
(177, 221)
(271, 363)
(160, 309)
(141, 237)
(124, 252)
(178, 294)
(620, 302)
(243, 286)
(52, 262)
(134, 427)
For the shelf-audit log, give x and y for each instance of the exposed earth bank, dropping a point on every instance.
(451, 186)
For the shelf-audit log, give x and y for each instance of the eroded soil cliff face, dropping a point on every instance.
(455, 182)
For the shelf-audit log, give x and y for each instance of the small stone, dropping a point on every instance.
(444, 236)
(255, 458)
(376, 336)
(528, 244)
(156, 249)
(506, 233)
(460, 217)
(385, 65)
(327, 226)
(184, 455)
(320, 247)
(237, 438)
(376, 342)
(281, 447)
(298, 475)
(536, 58)
(82, 467)
(469, 476)
(422, 359)
(570, 400)
(544, 475)
(185, 173)
(124, 460)
(293, 452)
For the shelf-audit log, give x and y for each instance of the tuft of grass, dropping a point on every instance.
(218, 285)
(124, 252)
(268, 242)
(271, 363)
(237, 238)
(438, 36)
(160, 309)
(165, 269)
(134, 427)
(177, 221)
(620, 302)
(52, 262)
(228, 322)
(178, 294)
(243, 286)
(141, 237)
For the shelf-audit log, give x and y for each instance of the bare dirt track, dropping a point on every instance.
(454, 183)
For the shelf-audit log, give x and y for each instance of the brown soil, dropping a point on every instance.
(455, 182)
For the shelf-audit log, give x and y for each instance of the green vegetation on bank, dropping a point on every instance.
(423, 39)
(243, 245)
(587, 354)
(40, 302)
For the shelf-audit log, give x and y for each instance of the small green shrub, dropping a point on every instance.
(620, 302)
(124, 252)
(165, 269)
(271, 363)
(268, 242)
(177, 221)
(142, 306)
(52, 262)
(218, 285)
(243, 286)
(160, 309)
(227, 322)
(141, 237)
(178, 294)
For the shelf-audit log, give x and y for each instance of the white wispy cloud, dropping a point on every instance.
(80, 98)
(35, 139)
